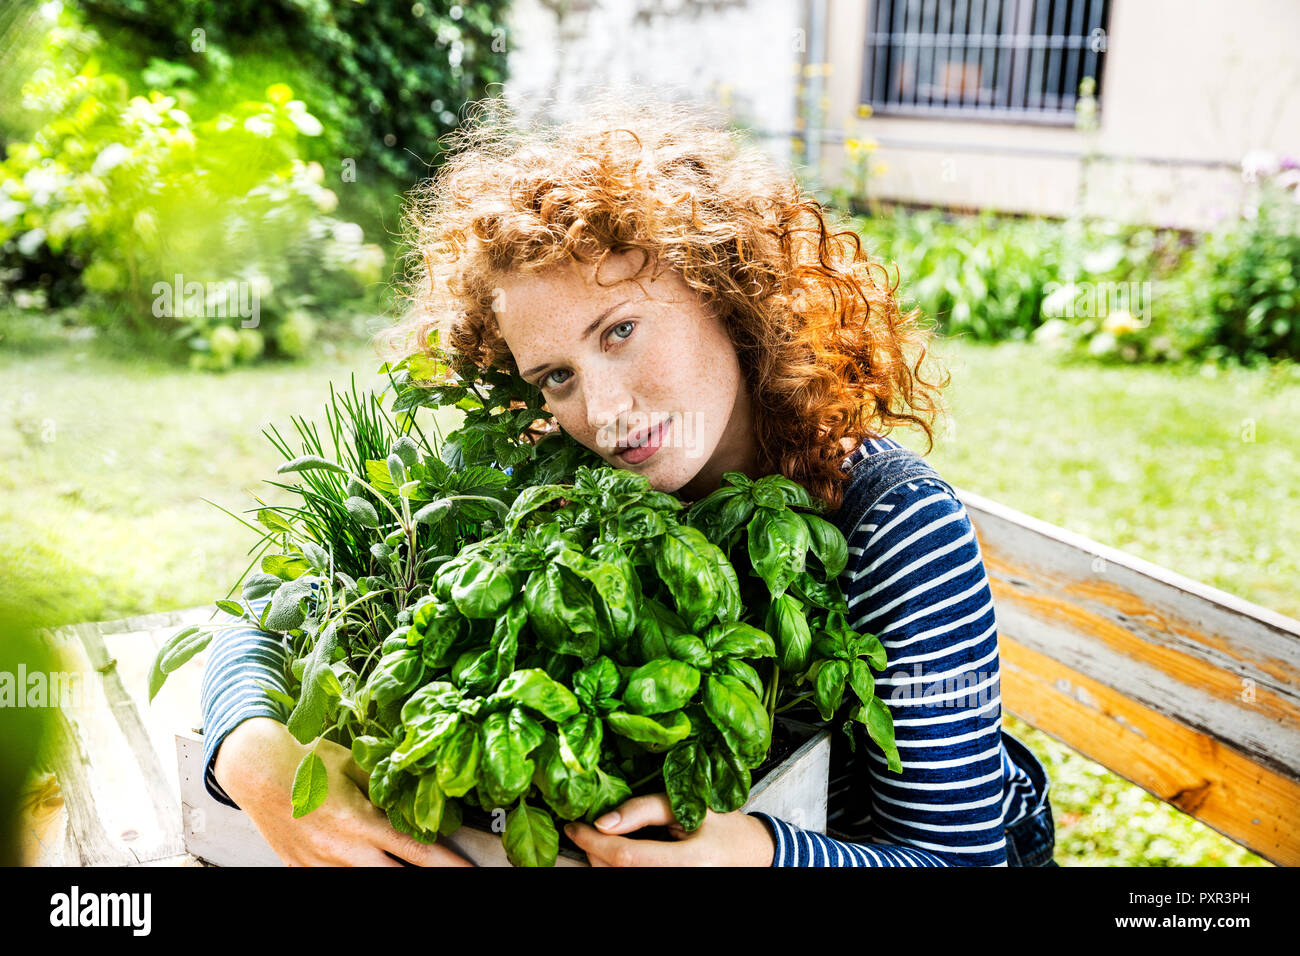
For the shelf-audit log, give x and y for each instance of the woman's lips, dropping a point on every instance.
(634, 456)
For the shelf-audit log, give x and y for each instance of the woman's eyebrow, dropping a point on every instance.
(591, 328)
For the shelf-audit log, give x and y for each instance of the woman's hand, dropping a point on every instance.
(256, 766)
(723, 839)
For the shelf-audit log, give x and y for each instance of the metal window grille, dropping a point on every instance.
(983, 59)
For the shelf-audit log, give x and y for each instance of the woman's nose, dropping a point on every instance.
(607, 402)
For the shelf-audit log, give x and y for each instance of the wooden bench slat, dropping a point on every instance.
(1247, 803)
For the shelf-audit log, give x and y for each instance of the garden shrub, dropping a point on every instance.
(1239, 294)
(1107, 290)
(398, 70)
(178, 228)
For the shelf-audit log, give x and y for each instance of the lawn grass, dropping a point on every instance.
(106, 460)
(1194, 470)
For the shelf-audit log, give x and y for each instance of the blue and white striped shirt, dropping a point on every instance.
(915, 579)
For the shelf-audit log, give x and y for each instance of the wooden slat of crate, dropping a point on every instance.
(220, 835)
(112, 798)
(1187, 691)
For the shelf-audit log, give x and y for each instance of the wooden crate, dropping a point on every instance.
(794, 791)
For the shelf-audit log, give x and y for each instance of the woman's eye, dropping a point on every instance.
(546, 379)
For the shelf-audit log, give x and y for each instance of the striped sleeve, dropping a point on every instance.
(916, 579)
(242, 662)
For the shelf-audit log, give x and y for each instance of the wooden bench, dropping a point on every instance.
(1185, 690)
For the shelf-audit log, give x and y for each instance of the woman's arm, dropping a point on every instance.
(255, 768)
(915, 578)
(241, 664)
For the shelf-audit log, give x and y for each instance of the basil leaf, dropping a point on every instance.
(785, 619)
(880, 725)
(686, 784)
(739, 716)
(429, 803)
(737, 639)
(535, 688)
(862, 681)
(507, 773)
(743, 672)
(657, 734)
(778, 548)
(686, 561)
(367, 751)
(458, 759)
(482, 589)
(596, 685)
(828, 690)
(828, 544)
(580, 738)
(561, 614)
(611, 790)
(728, 782)
(530, 837)
(570, 794)
(660, 686)
(423, 736)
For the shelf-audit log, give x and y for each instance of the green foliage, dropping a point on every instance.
(1104, 290)
(210, 233)
(397, 71)
(1240, 293)
(525, 637)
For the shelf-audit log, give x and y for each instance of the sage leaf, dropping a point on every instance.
(310, 785)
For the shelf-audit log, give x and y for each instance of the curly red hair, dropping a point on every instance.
(823, 344)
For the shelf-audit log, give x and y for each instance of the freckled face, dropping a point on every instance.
(618, 361)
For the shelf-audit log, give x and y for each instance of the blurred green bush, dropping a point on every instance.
(394, 72)
(1239, 295)
(210, 236)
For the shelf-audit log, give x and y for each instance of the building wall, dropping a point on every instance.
(739, 54)
(1190, 87)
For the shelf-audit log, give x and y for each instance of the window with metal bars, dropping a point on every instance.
(983, 59)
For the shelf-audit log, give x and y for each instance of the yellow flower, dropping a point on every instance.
(864, 110)
(1120, 322)
(880, 169)
(279, 93)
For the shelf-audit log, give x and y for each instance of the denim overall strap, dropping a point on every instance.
(872, 478)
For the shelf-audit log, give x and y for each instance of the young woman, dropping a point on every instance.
(686, 311)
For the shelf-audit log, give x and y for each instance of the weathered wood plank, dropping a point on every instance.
(112, 798)
(109, 817)
(1217, 784)
(1215, 664)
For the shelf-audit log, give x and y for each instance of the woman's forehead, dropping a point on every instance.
(572, 294)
